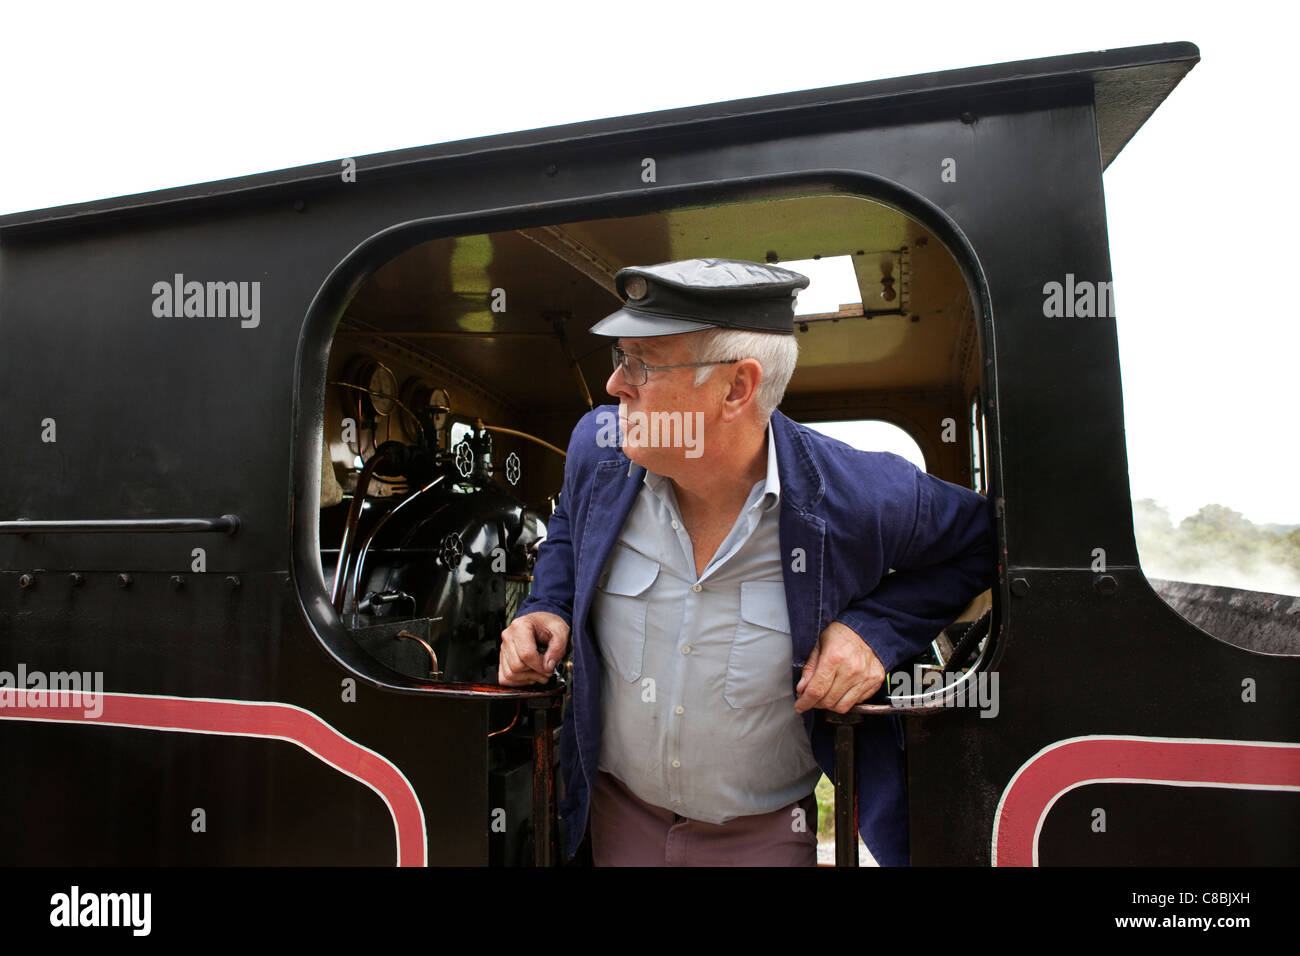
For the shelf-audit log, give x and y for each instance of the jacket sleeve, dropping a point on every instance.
(949, 559)
(554, 574)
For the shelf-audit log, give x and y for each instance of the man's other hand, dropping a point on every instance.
(531, 647)
(840, 672)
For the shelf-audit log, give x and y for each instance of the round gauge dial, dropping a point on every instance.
(440, 402)
(382, 389)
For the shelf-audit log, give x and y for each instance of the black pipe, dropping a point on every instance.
(350, 526)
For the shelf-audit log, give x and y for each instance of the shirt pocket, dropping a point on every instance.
(621, 610)
(759, 669)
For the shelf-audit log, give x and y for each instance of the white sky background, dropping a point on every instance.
(103, 100)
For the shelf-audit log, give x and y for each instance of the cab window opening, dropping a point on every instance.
(467, 360)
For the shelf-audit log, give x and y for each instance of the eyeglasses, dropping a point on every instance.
(637, 372)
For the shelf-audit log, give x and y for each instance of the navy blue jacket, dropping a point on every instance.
(847, 518)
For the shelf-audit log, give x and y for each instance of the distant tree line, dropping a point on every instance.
(1217, 546)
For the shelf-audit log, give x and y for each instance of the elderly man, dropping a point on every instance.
(727, 573)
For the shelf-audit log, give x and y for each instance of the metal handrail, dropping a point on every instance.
(226, 524)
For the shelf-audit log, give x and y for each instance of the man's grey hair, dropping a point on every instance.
(776, 353)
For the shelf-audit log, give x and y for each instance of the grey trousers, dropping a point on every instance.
(627, 831)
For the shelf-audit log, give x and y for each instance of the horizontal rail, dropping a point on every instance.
(469, 691)
(226, 524)
(914, 710)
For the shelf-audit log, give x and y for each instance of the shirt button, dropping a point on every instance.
(686, 649)
(680, 709)
(676, 764)
(676, 526)
(696, 587)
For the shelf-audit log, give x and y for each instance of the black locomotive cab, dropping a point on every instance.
(291, 445)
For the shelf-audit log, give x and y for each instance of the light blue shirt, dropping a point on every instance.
(697, 699)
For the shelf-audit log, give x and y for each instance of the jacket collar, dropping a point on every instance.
(801, 479)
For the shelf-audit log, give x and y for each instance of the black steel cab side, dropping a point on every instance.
(189, 380)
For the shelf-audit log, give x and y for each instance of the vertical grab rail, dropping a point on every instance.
(846, 770)
(846, 787)
(544, 817)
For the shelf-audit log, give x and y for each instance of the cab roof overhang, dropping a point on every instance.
(1128, 85)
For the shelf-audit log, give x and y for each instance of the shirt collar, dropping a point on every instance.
(772, 486)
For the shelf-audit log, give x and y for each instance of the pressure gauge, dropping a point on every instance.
(440, 404)
(381, 386)
(432, 405)
(375, 384)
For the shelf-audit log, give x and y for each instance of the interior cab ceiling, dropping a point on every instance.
(438, 297)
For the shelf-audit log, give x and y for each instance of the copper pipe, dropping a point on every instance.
(509, 725)
(532, 438)
(396, 401)
(433, 658)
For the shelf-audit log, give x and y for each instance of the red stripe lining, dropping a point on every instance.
(247, 719)
(1072, 763)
